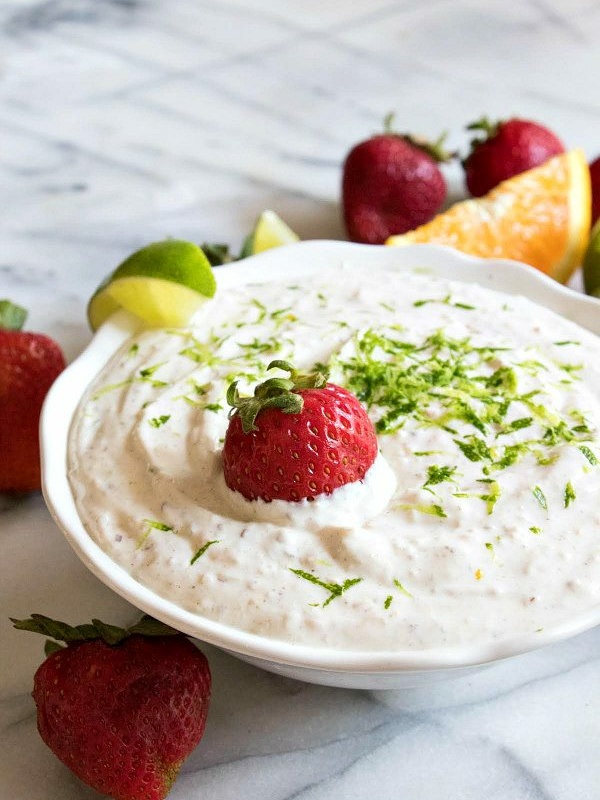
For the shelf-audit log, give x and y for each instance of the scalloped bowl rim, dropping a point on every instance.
(500, 274)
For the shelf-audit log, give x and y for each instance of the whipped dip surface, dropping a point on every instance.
(479, 520)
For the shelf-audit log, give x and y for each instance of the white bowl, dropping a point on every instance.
(367, 670)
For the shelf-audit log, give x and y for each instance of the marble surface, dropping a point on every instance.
(124, 121)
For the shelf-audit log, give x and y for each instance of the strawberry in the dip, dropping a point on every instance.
(296, 438)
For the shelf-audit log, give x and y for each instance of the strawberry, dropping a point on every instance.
(507, 148)
(29, 363)
(595, 177)
(121, 708)
(296, 439)
(391, 184)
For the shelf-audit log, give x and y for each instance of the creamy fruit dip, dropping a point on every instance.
(479, 520)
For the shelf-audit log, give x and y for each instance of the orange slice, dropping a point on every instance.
(541, 217)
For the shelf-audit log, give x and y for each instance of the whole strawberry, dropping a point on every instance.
(506, 148)
(391, 184)
(29, 363)
(121, 708)
(595, 178)
(296, 439)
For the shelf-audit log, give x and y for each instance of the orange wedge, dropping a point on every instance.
(541, 217)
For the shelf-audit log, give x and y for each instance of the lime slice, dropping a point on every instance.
(163, 284)
(269, 231)
(591, 263)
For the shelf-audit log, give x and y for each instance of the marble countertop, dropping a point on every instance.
(125, 121)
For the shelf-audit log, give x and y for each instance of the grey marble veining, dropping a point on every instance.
(124, 121)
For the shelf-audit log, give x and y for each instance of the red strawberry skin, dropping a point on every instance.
(516, 146)
(123, 718)
(389, 186)
(330, 443)
(29, 364)
(595, 176)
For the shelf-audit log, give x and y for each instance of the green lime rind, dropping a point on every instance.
(173, 260)
(100, 306)
(247, 246)
(591, 263)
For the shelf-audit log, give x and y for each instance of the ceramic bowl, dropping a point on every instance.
(367, 670)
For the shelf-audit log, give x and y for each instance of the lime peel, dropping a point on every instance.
(163, 284)
(591, 263)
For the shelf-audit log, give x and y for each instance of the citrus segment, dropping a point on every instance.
(163, 284)
(541, 217)
(158, 302)
(269, 231)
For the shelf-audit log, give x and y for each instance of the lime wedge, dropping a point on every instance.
(269, 231)
(591, 263)
(163, 284)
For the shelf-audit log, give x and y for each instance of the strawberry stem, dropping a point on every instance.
(278, 393)
(388, 122)
(435, 150)
(12, 316)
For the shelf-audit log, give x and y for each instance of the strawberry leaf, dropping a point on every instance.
(12, 316)
(70, 634)
(485, 129)
(52, 647)
(148, 626)
(111, 634)
(217, 254)
(273, 393)
(485, 125)
(61, 631)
